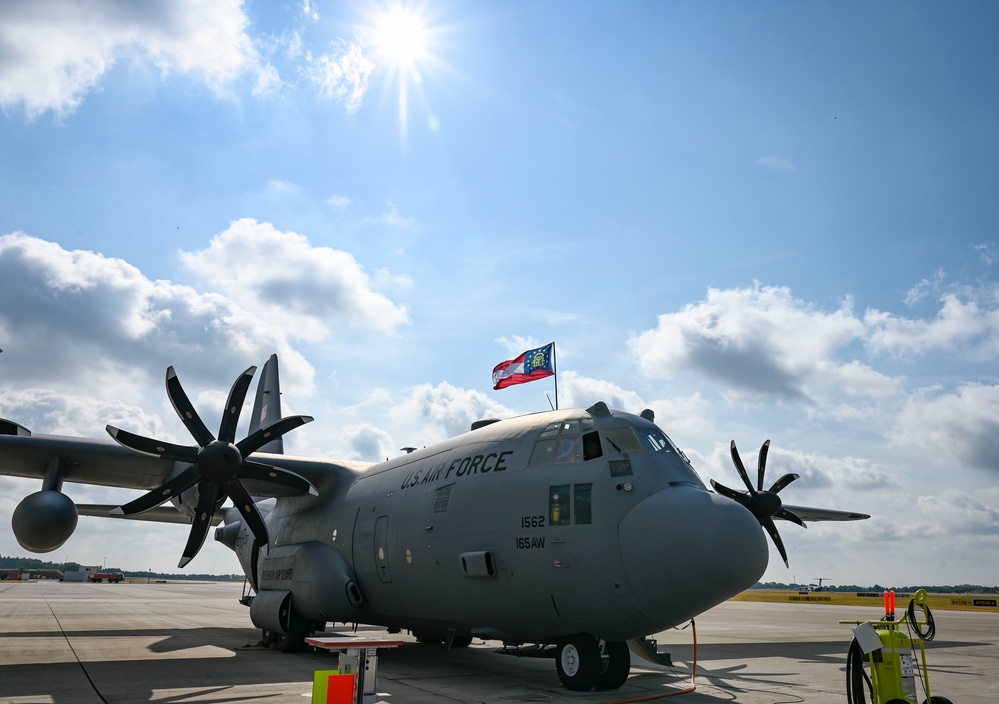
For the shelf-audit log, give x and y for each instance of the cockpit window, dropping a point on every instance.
(567, 450)
(591, 446)
(655, 440)
(560, 443)
(623, 439)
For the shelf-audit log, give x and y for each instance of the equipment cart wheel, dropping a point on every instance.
(578, 662)
(937, 700)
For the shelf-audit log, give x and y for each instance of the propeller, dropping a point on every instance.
(217, 464)
(765, 505)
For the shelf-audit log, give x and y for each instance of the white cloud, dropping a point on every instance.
(337, 201)
(431, 413)
(57, 51)
(963, 323)
(77, 316)
(310, 10)
(296, 286)
(924, 288)
(759, 341)
(341, 75)
(961, 427)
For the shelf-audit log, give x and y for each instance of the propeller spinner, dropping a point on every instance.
(217, 464)
(765, 505)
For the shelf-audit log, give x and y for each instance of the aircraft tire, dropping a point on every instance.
(294, 640)
(269, 638)
(577, 661)
(461, 640)
(618, 666)
(428, 638)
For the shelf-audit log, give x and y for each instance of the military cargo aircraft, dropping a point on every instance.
(575, 530)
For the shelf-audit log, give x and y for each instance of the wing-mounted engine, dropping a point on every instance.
(217, 467)
(42, 521)
(309, 582)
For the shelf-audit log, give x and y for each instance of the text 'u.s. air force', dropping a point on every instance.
(462, 467)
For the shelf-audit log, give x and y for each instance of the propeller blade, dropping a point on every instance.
(208, 498)
(182, 482)
(783, 482)
(274, 475)
(762, 465)
(255, 441)
(789, 516)
(185, 409)
(157, 448)
(234, 404)
(741, 468)
(244, 504)
(769, 527)
(730, 493)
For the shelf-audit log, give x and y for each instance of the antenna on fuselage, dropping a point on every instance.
(549, 400)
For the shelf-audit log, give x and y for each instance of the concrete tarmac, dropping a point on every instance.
(178, 642)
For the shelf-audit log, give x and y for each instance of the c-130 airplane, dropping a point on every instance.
(578, 530)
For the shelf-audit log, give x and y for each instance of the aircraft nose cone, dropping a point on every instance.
(685, 550)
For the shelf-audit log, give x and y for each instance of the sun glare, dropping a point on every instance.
(402, 41)
(400, 37)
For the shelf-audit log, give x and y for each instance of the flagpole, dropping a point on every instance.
(555, 374)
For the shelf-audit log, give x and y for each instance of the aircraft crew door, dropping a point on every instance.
(382, 549)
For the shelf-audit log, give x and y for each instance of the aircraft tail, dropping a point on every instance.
(267, 405)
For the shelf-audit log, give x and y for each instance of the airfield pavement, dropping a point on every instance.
(184, 642)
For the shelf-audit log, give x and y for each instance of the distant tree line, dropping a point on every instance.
(26, 564)
(947, 589)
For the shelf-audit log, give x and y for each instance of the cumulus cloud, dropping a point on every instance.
(56, 52)
(759, 341)
(443, 411)
(957, 323)
(78, 317)
(762, 342)
(283, 278)
(368, 442)
(81, 316)
(578, 390)
(962, 426)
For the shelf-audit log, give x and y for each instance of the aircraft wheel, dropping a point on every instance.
(269, 638)
(578, 662)
(427, 638)
(617, 666)
(294, 640)
(461, 640)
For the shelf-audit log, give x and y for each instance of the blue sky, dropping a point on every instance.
(762, 220)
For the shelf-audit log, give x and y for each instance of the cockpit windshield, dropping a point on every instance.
(572, 441)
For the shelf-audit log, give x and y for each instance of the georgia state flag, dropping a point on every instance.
(530, 366)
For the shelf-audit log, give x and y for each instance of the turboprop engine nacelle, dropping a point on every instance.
(43, 521)
(319, 579)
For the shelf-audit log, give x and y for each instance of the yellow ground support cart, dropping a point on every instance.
(883, 658)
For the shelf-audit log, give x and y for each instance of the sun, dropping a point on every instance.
(400, 38)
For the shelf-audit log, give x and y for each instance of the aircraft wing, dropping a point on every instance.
(83, 460)
(106, 463)
(806, 513)
(160, 514)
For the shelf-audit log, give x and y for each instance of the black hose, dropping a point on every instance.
(931, 627)
(856, 677)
